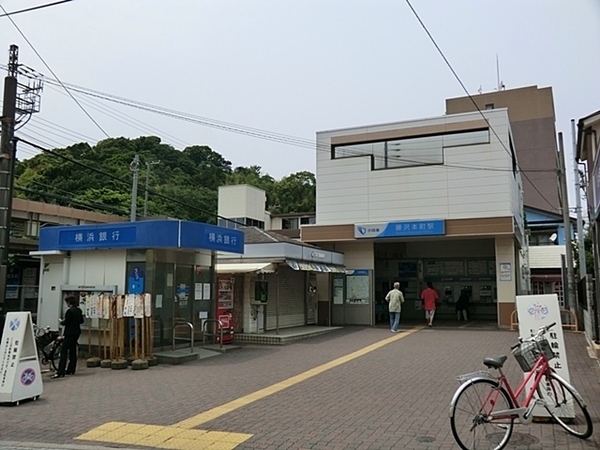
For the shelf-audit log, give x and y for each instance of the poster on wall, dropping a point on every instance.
(505, 271)
(338, 290)
(358, 287)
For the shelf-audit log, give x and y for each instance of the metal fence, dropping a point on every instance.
(21, 298)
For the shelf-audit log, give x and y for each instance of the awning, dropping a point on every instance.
(314, 267)
(245, 267)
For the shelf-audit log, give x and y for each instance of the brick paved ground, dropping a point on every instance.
(394, 397)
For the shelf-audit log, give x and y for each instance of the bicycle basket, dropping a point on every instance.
(544, 347)
(526, 355)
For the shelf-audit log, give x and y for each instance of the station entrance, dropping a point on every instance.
(453, 267)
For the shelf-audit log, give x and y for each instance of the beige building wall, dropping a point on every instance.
(349, 191)
(507, 293)
(532, 120)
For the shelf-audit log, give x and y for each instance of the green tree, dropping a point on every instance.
(295, 193)
(183, 185)
(589, 254)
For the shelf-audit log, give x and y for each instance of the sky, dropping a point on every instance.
(292, 68)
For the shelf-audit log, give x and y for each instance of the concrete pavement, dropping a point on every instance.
(355, 388)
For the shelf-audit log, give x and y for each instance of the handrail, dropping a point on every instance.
(204, 333)
(514, 320)
(177, 324)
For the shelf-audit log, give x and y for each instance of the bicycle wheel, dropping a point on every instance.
(469, 417)
(565, 406)
(54, 355)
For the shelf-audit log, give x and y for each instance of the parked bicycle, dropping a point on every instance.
(485, 407)
(48, 343)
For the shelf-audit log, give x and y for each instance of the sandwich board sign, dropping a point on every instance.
(20, 374)
(535, 311)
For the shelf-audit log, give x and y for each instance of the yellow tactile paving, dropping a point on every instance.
(182, 436)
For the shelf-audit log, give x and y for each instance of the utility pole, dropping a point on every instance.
(580, 240)
(148, 165)
(135, 168)
(6, 162)
(562, 182)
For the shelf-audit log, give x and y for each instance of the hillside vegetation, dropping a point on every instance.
(183, 185)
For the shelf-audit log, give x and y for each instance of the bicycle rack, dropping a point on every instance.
(178, 324)
(204, 333)
(573, 325)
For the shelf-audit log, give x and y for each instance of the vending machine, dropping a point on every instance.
(225, 286)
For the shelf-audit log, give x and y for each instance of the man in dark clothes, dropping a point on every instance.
(462, 306)
(72, 321)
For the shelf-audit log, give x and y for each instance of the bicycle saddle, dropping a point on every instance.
(494, 361)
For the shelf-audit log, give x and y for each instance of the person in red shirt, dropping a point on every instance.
(429, 297)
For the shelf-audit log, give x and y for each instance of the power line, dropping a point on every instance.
(33, 8)
(52, 72)
(127, 182)
(71, 200)
(253, 132)
(473, 100)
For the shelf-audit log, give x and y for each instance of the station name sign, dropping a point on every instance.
(405, 228)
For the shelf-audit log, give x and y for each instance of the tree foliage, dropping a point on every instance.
(182, 184)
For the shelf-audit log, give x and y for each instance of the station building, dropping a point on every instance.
(437, 199)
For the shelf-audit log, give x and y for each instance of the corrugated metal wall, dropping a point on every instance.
(292, 291)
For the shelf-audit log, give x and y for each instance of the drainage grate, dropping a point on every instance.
(425, 439)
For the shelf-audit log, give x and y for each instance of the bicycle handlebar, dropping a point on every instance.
(543, 330)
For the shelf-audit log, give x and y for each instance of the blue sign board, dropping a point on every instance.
(203, 235)
(144, 234)
(405, 228)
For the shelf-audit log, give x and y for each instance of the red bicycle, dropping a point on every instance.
(485, 407)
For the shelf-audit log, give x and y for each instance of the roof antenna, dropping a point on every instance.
(501, 86)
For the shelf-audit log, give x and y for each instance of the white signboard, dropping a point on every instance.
(129, 306)
(535, 311)
(147, 305)
(138, 309)
(20, 375)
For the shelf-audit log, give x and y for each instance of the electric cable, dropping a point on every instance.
(51, 71)
(33, 8)
(299, 142)
(71, 200)
(127, 182)
(473, 101)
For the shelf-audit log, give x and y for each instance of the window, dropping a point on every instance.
(308, 220)
(547, 287)
(489, 106)
(542, 237)
(290, 223)
(407, 152)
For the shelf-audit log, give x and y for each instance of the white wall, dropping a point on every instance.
(348, 191)
(242, 200)
(101, 267)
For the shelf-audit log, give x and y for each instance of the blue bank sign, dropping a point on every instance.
(405, 228)
(144, 234)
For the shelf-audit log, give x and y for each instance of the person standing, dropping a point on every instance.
(429, 297)
(72, 323)
(462, 306)
(395, 298)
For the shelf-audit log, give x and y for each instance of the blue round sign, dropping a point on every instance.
(28, 377)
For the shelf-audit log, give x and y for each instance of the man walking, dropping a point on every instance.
(395, 298)
(430, 297)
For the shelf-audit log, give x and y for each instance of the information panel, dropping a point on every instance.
(358, 287)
